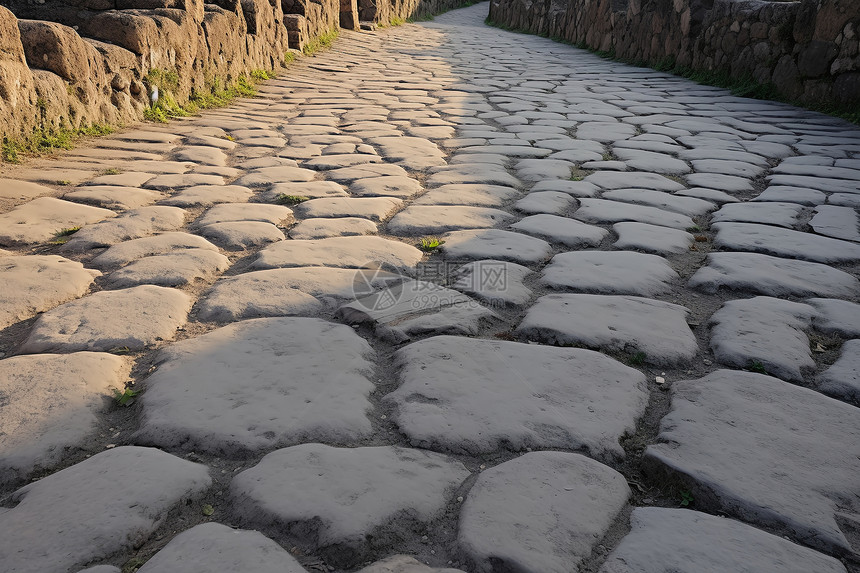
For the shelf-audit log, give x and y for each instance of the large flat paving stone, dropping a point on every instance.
(149, 314)
(690, 206)
(265, 176)
(569, 232)
(162, 244)
(322, 228)
(838, 222)
(605, 211)
(430, 219)
(842, 380)
(474, 194)
(472, 173)
(387, 186)
(108, 503)
(495, 282)
(613, 323)
(633, 179)
(208, 195)
(414, 308)
(258, 384)
(476, 396)
(310, 189)
(114, 197)
(403, 564)
(339, 497)
(216, 548)
(543, 512)
(42, 218)
(413, 153)
(771, 467)
(235, 212)
(22, 190)
(346, 252)
(36, 283)
(373, 208)
(766, 213)
(241, 235)
(651, 238)
(609, 272)
(495, 244)
(772, 276)
(51, 402)
(836, 316)
(764, 331)
(784, 243)
(131, 225)
(684, 541)
(174, 269)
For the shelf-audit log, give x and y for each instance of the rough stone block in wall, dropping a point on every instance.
(193, 7)
(349, 14)
(18, 110)
(57, 48)
(297, 30)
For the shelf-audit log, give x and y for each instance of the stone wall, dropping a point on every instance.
(807, 49)
(72, 63)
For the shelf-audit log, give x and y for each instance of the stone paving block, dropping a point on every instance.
(780, 193)
(202, 154)
(178, 181)
(130, 225)
(216, 548)
(150, 314)
(633, 179)
(495, 244)
(162, 244)
(114, 197)
(472, 173)
(208, 195)
(772, 276)
(90, 511)
(650, 161)
(346, 252)
(550, 202)
(838, 222)
(265, 176)
(475, 396)
(101, 569)
(321, 228)
(174, 269)
(574, 188)
(403, 564)
(36, 283)
(784, 243)
(293, 388)
(770, 469)
(542, 169)
(413, 153)
(336, 161)
(651, 238)
(22, 190)
(829, 185)
(690, 206)
(51, 402)
(415, 308)
(836, 316)
(571, 503)
(610, 272)
(842, 379)
(768, 213)
(712, 195)
(604, 131)
(309, 189)
(347, 175)
(569, 232)
(240, 235)
(845, 199)
(475, 194)
(727, 183)
(604, 211)
(495, 282)
(373, 208)
(431, 219)
(340, 496)
(765, 332)
(41, 219)
(612, 323)
(234, 212)
(386, 186)
(684, 541)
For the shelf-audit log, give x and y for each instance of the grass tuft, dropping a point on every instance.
(289, 200)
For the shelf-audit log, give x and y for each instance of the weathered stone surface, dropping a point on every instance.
(604, 211)
(633, 179)
(340, 496)
(373, 208)
(571, 504)
(150, 314)
(347, 252)
(113, 197)
(22, 190)
(609, 272)
(131, 225)
(614, 323)
(430, 219)
(293, 388)
(768, 213)
(108, 503)
(771, 469)
(403, 564)
(690, 206)
(208, 195)
(474, 194)
(495, 282)
(842, 380)
(507, 394)
(837, 316)
(838, 222)
(390, 186)
(212, 547)
(51, 402)
(495, 244)
(174, 269)
(234, 212)
(36, 283)
(472, 173)
(42, 218)
(763, 331)
(772, 276)
(340, 227)
(685, 541)
(784, 243)
(651, 238)
(415, 308)
(135, 249)
(172, 181)
(240, 235)
(265, 176)
(311, 189)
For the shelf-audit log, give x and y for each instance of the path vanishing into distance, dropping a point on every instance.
(442, 298)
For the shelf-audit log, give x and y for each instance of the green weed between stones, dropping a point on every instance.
(290, 200)
(686, 498)
(63, 236)
(212, 95)
(47, 140)
(126, 397)
(756, 366)
(430, 244)
(637, 359)
(323, 42)
(745, 86)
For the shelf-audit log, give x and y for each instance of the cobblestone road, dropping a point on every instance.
(443, 298)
